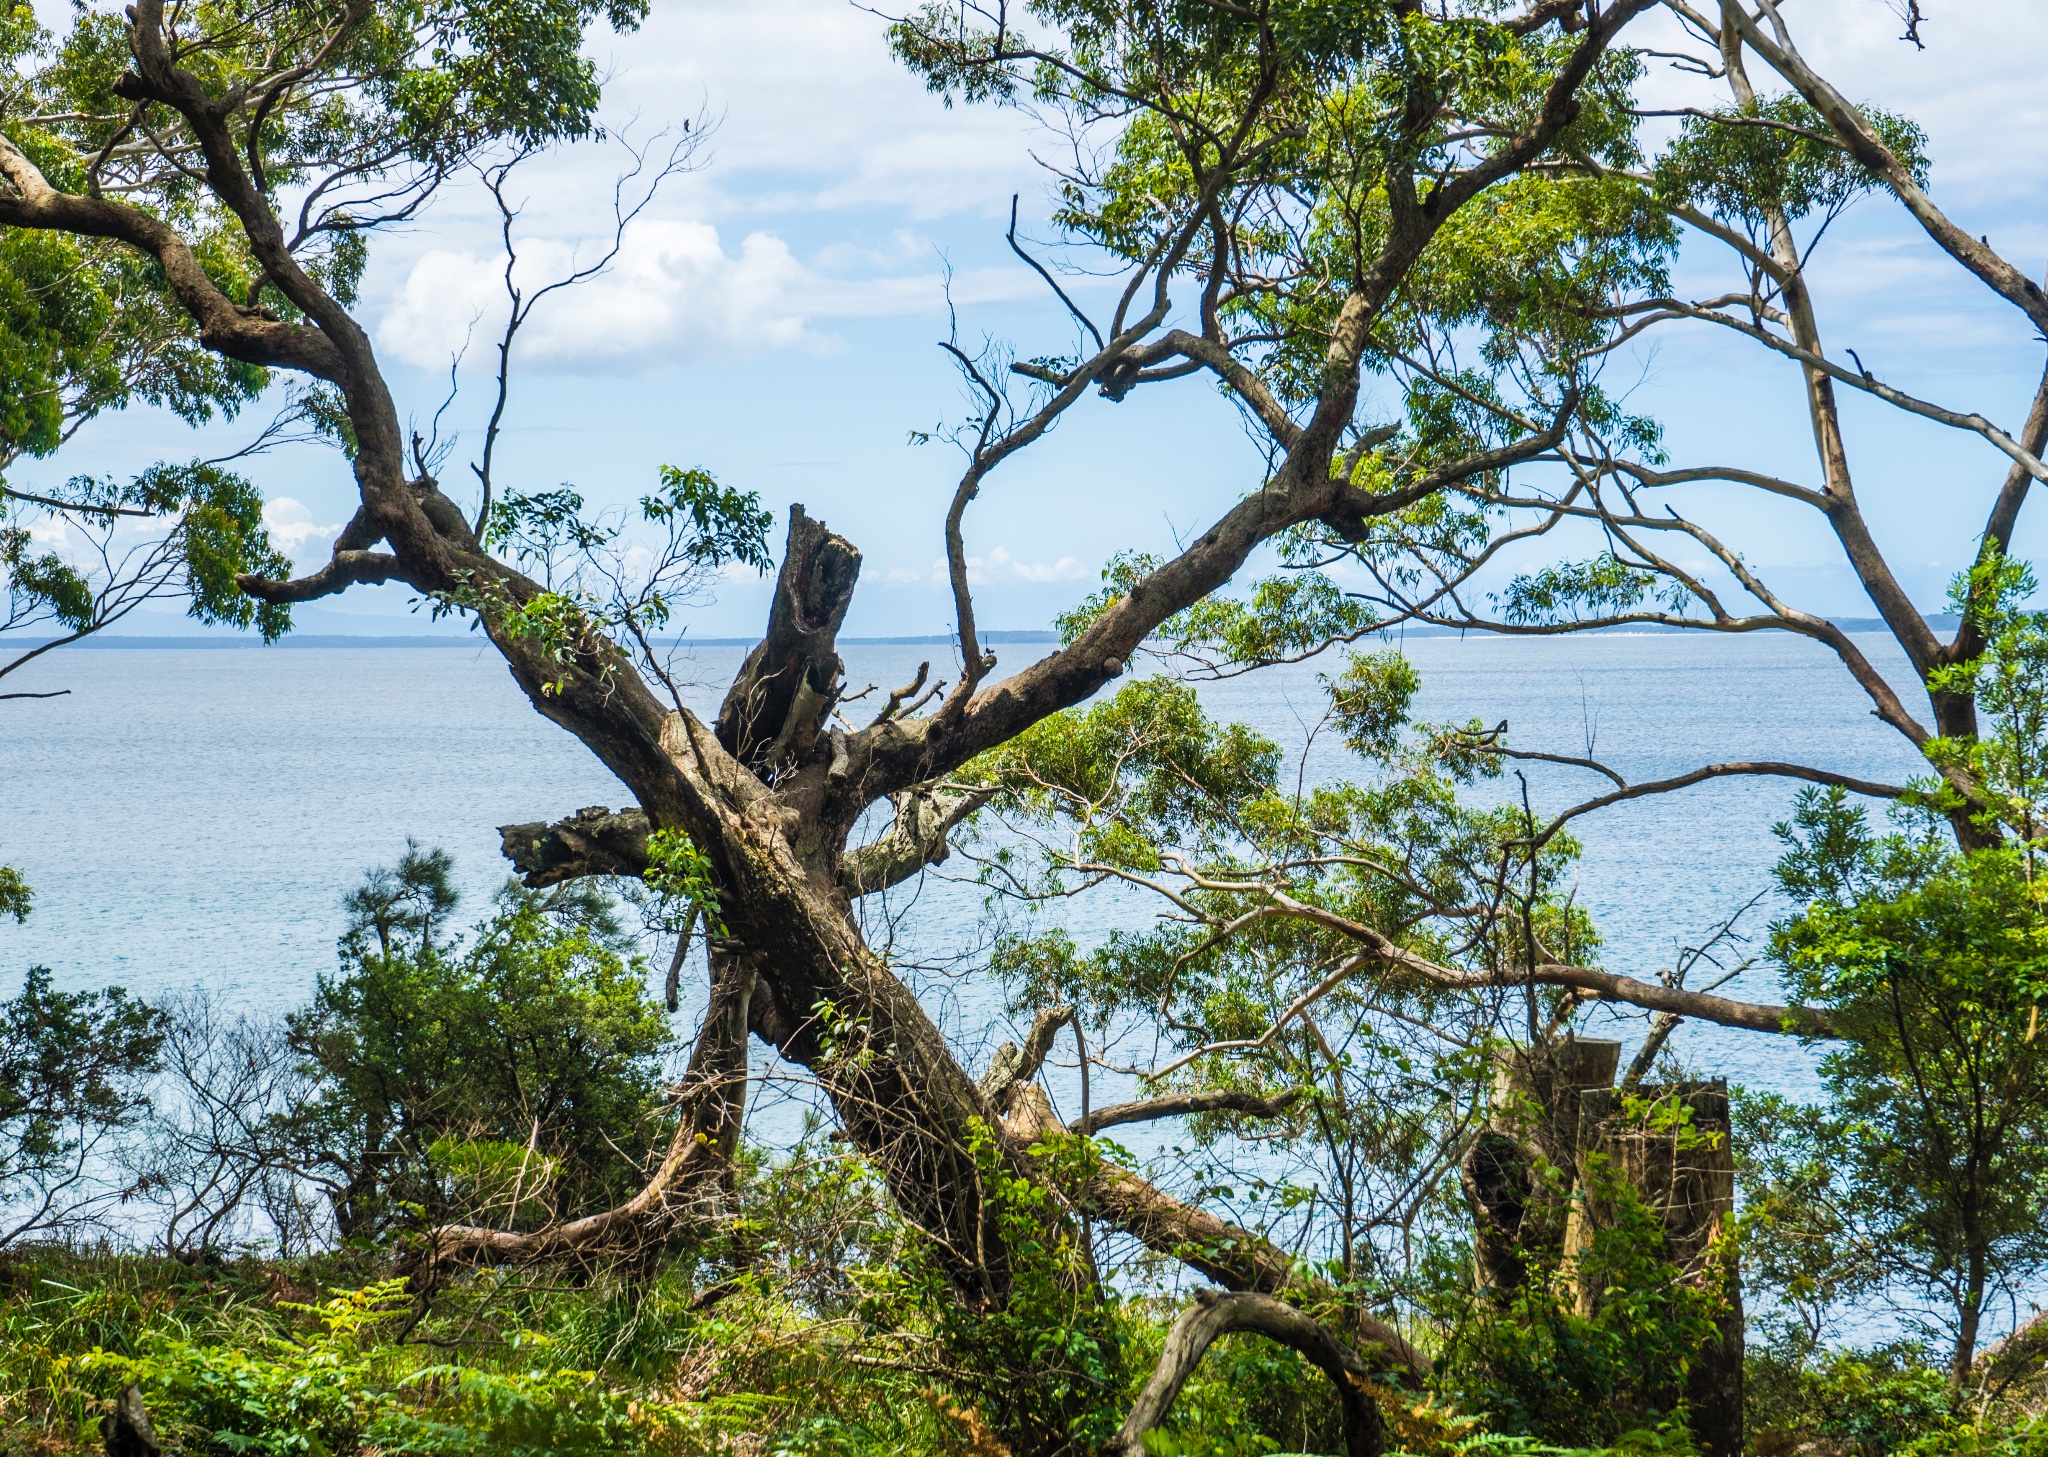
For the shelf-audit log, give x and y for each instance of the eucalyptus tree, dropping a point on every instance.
(1314, 184)
(1762, 165)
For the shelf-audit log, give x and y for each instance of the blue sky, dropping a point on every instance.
(776, 313)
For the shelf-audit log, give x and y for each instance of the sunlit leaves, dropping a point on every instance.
(1144, 767)
(1538, 257)
(207, 528)
(680, 873)
(44, 581)
(2006, 761)
(1933, 964)
(600, 578)
(1777, 155)
(1601, 586)
(84, 328)
(15, 895)
(220, 525)
(723, 524)
(1370, 699)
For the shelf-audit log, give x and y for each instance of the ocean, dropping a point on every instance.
(192, 816)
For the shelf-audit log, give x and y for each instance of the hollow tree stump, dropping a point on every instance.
(1688, 1179)
(1532, 1118)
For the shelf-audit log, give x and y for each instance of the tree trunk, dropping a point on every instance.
(1215, 1314)
(1972, 1319)
(1690, 1183)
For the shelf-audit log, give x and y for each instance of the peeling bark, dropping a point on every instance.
(919, 836)
(593, 841)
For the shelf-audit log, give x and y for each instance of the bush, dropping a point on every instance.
(72, 1073)
(1538, 1367)
(514, 1079)
(1878, 1401)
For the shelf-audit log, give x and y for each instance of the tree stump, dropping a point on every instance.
(1690, 1182)
(126, 1430)
(1532, 1116)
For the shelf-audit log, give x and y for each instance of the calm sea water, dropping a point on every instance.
(191, 817)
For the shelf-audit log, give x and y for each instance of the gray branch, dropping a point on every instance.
(1173, 1105)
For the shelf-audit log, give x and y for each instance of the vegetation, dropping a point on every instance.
(475, 1195)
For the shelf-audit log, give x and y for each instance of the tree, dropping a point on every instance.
(1929, 1167)
(73, 1075)
(1753, 178)
(514, 1077)
(88, 326)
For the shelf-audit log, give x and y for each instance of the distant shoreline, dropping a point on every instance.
(469, 640)
(1941, 621)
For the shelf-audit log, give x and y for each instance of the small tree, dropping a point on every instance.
(72, 1076)
(1929, 1167)
(516, 1071)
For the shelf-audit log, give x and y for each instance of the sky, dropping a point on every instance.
(774, 317)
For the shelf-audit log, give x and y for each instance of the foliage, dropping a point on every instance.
(210, 529)
(1880, 1400)
(2006, 762)
(532, 1051)
(15, 895)
(304, 1397)
(680, 873)
(598, 582)
(85, 327)
(1775, 155)
(1928, 1167)
(73, 1069)
(1046, 1363)
(1538, 1362)
(1382, 1066)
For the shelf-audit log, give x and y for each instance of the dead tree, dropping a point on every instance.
(1522, 1166)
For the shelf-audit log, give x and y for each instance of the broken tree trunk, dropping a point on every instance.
(1518, 1204)
(1685, 1172)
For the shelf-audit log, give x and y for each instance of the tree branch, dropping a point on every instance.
(1174, 1105)
(1214, 1313)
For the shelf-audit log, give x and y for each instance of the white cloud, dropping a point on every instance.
(291, 525)
(1001, 566)
(673, 294)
